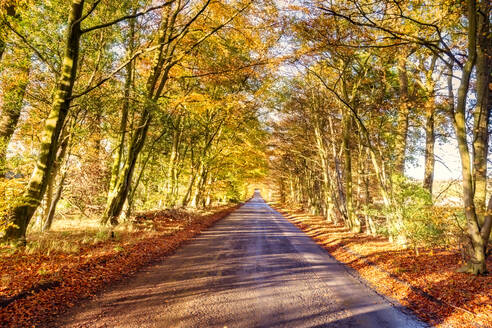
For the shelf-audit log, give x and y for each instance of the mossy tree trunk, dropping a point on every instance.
(118, 157)
(118, 195)
(9, 11)
(169, 36)
(478, 229)
(483, 110)
(161, 64)
(63, 155)
(403, 113)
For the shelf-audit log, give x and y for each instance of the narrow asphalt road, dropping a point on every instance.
(252, 269)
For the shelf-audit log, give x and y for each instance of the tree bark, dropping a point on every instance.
(171, 176)
(52, 200)
(124, 109)
(429, 145)
(202, 178)
(482, 114)
(52, 206)
(402, 122)
(322, 153)
(189, 189)
(353, 220)
(429, 113)
(476, 264)
(10, 11)
(118, 195)
(161, 64)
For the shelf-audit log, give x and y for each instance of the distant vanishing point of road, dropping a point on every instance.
(252, 269)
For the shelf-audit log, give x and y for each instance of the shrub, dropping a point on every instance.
(421, 221)
(10, 191)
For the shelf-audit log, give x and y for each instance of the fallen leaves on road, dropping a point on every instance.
(34, 287)
(426, 283)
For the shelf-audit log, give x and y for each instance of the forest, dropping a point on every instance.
(137, 105)
(381, 84)
(121, 119)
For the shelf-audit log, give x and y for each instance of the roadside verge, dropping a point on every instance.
(426, 283)
(36, 287)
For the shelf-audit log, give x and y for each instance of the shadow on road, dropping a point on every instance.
(253, 269)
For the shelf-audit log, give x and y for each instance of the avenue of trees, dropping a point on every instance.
(111, 107)
(108, 107)
(379, 83)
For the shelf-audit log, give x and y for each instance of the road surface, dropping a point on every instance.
(252, 269)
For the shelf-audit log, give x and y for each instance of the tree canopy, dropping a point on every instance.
(112, 107)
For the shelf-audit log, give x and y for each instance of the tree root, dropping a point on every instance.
(473, 268)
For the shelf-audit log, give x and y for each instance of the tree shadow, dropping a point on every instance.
(434, 289)
(251, 270)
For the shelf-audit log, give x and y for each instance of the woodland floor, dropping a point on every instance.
(427, 283)
(58, 269)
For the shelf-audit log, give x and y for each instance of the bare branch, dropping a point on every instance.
(30, 46)
(89, 12)
(116, 21)
(432, 45)
(119, 68)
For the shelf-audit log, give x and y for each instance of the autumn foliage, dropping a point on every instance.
(36, 285)
(426, 283)
(111, 109)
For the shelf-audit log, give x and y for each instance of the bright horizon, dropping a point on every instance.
(444, 153)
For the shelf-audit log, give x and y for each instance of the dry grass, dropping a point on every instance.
(69, 236)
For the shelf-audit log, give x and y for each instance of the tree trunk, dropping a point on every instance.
(478, 235)
(52, 206)
(353, 220)
(208, 198)
(482, 114)
(160, 67)
(189, 189)
(30, 200)
(2, 46)
(10, 11)
(429, 145)
(402, 122)
(171, 176)
(48, 198)
(52, 200)
(323, 155)
(339, 188)
(430, 109)
(118, 195)
(199, 183)
(124, 110)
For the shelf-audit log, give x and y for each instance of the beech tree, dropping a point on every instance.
(22, 213)
(108, 87)
(409, 52)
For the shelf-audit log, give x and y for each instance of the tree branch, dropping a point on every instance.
(116, 21)
(119, 68)
(36, 51)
